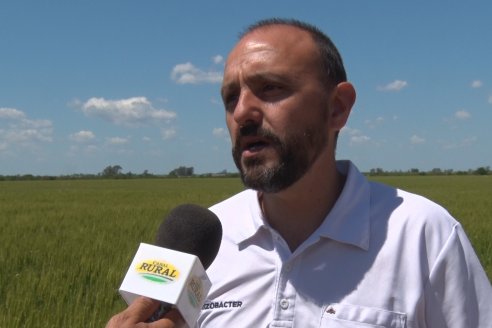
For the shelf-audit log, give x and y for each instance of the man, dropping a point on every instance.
(312, 243)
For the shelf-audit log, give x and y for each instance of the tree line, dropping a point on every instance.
(116, 172)
(483, 170)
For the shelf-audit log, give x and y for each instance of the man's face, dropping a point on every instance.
(276, 107)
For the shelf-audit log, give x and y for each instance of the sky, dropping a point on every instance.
(87, 84)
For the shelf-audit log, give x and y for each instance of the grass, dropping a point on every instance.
(68, 243)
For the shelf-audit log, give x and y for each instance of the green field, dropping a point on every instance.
(67, 243)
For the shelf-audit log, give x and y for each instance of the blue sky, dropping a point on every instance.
(87, 84)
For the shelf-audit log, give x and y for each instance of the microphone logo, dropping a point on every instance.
(196, 294)
(157, 271)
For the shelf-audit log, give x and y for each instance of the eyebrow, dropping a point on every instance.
(257, 77)
(226, 88)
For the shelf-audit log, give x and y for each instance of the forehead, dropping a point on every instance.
(272, 47)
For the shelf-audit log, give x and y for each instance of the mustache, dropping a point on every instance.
(249, 130)
(255, 131)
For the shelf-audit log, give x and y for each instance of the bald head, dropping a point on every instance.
(331, 63)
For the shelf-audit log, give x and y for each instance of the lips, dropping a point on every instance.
(253, 144)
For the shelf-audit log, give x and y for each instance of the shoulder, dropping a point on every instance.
(406, 205)
(409, 221)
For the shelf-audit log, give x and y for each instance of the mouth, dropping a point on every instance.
(252, 146)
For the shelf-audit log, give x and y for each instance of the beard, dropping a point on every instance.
(295, 154)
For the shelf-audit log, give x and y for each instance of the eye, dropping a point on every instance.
(230, 101)
(271, 87)
(272, 91)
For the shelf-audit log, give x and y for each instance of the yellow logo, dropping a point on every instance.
(157, 271)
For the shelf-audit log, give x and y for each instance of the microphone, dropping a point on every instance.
(191, 229)
(173, 270)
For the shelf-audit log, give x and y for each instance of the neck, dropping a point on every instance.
(300, 209)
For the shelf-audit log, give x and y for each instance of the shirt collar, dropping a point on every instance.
(349, 219)
(249, 218)
(347, 222)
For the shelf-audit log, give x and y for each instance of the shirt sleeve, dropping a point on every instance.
(458, 293)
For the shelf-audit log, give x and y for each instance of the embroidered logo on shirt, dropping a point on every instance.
(221, 305)
(331, 310)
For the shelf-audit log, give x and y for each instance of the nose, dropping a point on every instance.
(248, 109)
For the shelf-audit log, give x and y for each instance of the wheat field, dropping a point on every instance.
(68, 243)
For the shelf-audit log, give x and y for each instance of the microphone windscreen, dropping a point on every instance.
(191, 229)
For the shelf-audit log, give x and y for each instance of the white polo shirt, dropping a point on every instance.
(381, 258)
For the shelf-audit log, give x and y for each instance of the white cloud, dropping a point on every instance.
(129, 112)
(415, 140)
(75, 150)
(476, 84)
(462, 115)
(464, 143)
(396, 85)
(16, 129)
(74, 103)
(355, 135)
(91, 148)
(216, 101)
(28, 134)
(11, 113)
(218, 59)
(168, 133)
(349, 131)
(374, 123)
(82, 136)
(359, 139)
(188, 74)
(116, 141)
(220, 132)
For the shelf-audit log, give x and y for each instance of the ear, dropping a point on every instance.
(342, 100)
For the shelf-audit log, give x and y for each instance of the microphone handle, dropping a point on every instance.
(160, 312)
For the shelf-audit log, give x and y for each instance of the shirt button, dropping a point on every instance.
(288, 267)
(284, 304)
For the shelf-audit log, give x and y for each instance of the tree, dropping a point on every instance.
(182, 171)
(481, 171)
(377, 171)
(436, 171)
(111, 171)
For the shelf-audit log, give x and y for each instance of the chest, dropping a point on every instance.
(323, 284)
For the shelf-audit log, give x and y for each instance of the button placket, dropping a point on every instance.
(285, 294)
